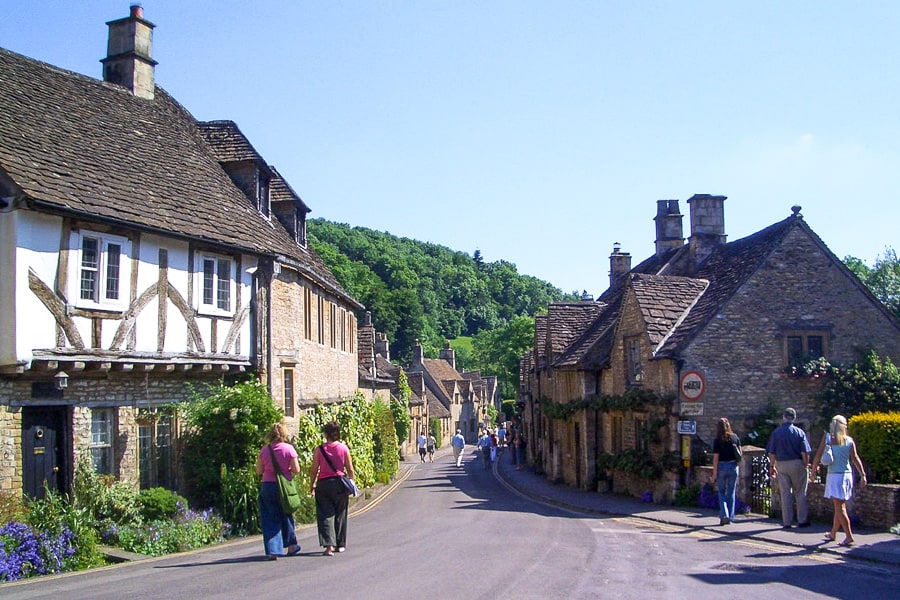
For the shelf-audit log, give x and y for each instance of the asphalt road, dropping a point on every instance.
(460, 534)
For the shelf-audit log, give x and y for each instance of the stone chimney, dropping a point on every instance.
(128, 61)
(669, 231)
(382, 346)
(707, 225)
(619, 265)
(417, 355)
(449, 354)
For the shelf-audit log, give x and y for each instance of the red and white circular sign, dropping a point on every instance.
(693, 386)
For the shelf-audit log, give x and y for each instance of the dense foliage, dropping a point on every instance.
(877, 436)
(883, 279)
(417, 290)
(225, 426)
(871, 384)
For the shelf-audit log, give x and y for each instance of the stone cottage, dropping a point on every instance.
(697, 331)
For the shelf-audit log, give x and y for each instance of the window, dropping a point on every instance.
(216, 284)
(343, 330)
(155, 450)
(634, 368)
(262, 193)
(803, 346)
(288, 378)
(641, 434)
(618, 434)
(103, 269)
(321, 318)
(307, 316)
(101, 440)
(334, 324)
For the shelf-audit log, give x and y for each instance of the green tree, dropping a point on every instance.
(400, 408)
(871, 384)
(497, 352)
(883, 279)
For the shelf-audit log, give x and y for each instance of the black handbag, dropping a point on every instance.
(349, 484)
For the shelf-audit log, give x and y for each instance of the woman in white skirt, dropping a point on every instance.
(839, 481)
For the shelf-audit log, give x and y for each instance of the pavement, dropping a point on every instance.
(875, 546)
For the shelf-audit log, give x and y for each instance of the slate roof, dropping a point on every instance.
(77, 146)
(664, 300)
(676, 298)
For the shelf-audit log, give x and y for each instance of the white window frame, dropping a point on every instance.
(102, 437)
(203, 303)
(98, 299)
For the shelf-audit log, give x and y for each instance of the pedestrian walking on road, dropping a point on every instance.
(432, 442)
(789, 465)
(839, 481)
(726, 468)
(484, 445)
(279, 536)
(458, 443)
(422, 440)
(519, 448)
(331, 461)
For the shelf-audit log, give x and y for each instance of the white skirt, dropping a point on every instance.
(839, 485)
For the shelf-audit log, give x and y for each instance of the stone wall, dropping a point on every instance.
(876, 507)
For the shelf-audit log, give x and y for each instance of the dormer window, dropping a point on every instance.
(262, 195)
(300, 227)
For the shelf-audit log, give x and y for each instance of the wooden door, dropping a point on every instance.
(43, 449)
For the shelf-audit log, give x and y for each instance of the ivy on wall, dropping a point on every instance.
(632, 399)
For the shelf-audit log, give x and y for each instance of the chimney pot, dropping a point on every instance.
(137, 11)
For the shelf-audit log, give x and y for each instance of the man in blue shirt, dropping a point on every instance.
(788, 451)
(459, 445)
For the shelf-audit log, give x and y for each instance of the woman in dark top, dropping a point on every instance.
(726, 457)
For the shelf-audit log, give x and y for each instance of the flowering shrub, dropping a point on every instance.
(811, 369)
(187, 531)
(25, 552)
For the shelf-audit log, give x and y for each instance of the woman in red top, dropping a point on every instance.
(277, 526)
(332, 499)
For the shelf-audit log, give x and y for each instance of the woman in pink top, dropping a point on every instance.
(332, 499)
(279, 537)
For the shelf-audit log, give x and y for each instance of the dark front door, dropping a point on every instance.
(44, 449)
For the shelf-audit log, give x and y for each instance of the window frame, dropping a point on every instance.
(202, 304)
(99, 300)
(156, 450)
(288, 381)
(634, 367)
(101, 449)
(804, 336)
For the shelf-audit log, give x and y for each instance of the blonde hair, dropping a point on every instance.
(838, 430)
(277, 434)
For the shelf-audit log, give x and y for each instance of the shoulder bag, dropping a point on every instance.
(349, 484)
(287, 489)
(827, 455)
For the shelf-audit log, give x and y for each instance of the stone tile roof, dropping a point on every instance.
(540, 338)
(727, 269)
(77, 146)
(436, 409)
(566, 321)
(664, 301)
(416, 383)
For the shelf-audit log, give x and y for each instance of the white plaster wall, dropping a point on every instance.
(38, 250)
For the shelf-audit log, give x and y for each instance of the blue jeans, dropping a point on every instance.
(726, 480)
(277, 527)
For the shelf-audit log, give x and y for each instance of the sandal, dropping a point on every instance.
(296, 550)
(329, 551)
(845, 543)
(829, 537)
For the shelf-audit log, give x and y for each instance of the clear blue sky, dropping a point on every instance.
(538, 132)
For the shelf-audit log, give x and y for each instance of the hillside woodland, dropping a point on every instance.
(427, 292)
